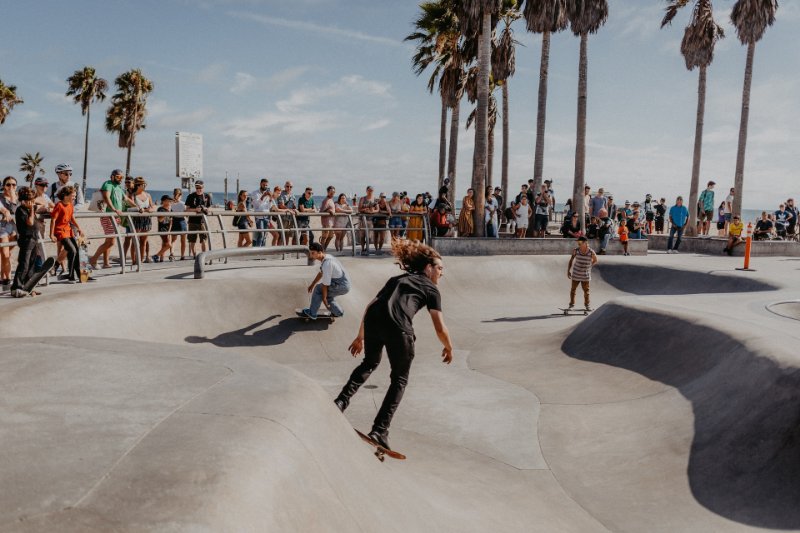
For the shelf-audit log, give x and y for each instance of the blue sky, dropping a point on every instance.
(321, 91)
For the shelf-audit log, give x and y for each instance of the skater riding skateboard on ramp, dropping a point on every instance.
(388, 322)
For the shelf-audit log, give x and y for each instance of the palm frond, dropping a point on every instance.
(587, 16)
(545, 15)
(752, 17)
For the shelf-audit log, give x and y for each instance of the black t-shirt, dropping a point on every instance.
(193, 201)
(400, 299)
(661, 210)
(24, 231)
(764, 225)
(167, 224)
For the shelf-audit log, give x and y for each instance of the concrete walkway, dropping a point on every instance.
(159, 402)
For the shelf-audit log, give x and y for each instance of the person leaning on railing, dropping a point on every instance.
(341, 222)
(197, 202)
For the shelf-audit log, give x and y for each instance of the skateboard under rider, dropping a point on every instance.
(321, 314)
(576, 310)
(380, 451)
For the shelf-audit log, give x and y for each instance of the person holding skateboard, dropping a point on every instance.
(62, 230)
(330, 282)
(387, 323)
(579, 271)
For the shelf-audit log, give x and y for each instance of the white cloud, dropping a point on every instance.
(377, 125)
(350, 86)
(242, 82)
(316, 28)
(57, 98)
(211, 73)
(183, 121)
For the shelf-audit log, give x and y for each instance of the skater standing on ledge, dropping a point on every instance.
(388, 322)
(579, 271)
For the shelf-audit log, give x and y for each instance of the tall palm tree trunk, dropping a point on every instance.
(482, 123)
(504, 164)
(738, 181)
(451, 159)
(698, 152)
(128, 160)
(541, 114)
(580, 143)
(490, 159)
(442, 144)
(86, 151)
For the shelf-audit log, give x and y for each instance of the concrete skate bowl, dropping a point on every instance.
(653, 280)
(744, 440)
(786, 309)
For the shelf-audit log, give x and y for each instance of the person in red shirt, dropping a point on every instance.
(61, 224)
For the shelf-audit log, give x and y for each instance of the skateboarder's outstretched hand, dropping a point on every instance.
(447, 355)
(356, 346)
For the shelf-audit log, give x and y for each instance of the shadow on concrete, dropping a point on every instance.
(523, 318)
(744, 462)
(251, 335)
(648, 280)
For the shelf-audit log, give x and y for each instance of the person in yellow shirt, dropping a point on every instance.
(735, 229)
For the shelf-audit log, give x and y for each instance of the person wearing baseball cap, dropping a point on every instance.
(113, 194)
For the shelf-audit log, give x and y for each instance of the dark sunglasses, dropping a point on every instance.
(10, 185)
(67, 172)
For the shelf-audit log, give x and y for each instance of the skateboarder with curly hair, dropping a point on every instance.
(387, 323)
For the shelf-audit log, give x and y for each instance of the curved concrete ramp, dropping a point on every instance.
(744, 454)
(670, 408)
(786, 309)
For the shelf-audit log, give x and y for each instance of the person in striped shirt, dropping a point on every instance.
(579, 271)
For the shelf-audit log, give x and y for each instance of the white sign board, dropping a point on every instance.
(189, 155)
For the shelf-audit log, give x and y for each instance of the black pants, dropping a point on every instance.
(26, 263)
(400, 350)
(73, 264)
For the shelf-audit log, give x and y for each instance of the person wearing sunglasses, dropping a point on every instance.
(8, 229)
(198, 202)
(64, 179)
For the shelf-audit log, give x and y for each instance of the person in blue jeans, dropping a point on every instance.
(678, 216)
(330, 282)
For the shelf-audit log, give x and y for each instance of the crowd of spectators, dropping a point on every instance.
(277, 215)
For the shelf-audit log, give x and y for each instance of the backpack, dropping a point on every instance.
(96, 203)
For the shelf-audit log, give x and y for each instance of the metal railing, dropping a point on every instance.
(205, 258)
(286, 224)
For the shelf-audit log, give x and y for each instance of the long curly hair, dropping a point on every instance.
(413, 256)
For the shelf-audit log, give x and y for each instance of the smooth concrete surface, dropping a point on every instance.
(510, 246)
(157, 402)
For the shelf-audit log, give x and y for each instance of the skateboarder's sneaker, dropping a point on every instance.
(307, 314)
(19, 293)
(340, 404)
(570, 306)
(380, 438)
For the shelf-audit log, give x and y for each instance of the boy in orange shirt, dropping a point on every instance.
(622, 231)
(61, 223)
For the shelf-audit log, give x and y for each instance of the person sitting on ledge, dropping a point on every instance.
(735, 229)
(571, 229)
(764, 227)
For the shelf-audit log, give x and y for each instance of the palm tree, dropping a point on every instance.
(31, 164)
(750, 18)
(503, 67)
(437, 35)
(492, 124)
(128, 109)
(697, 47)
(545, 17)
(451, 86)
(585, 17)
(8, 99)
(85, 88)
(477, 20)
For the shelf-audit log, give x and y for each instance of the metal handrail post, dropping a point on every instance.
(118, 237)
(224, 235)
(365, 228)
(353, 231)
(208, 230)
(135, 237)
(296, 229)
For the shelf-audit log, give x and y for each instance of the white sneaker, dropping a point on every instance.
(669, 251)
(675, 252)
